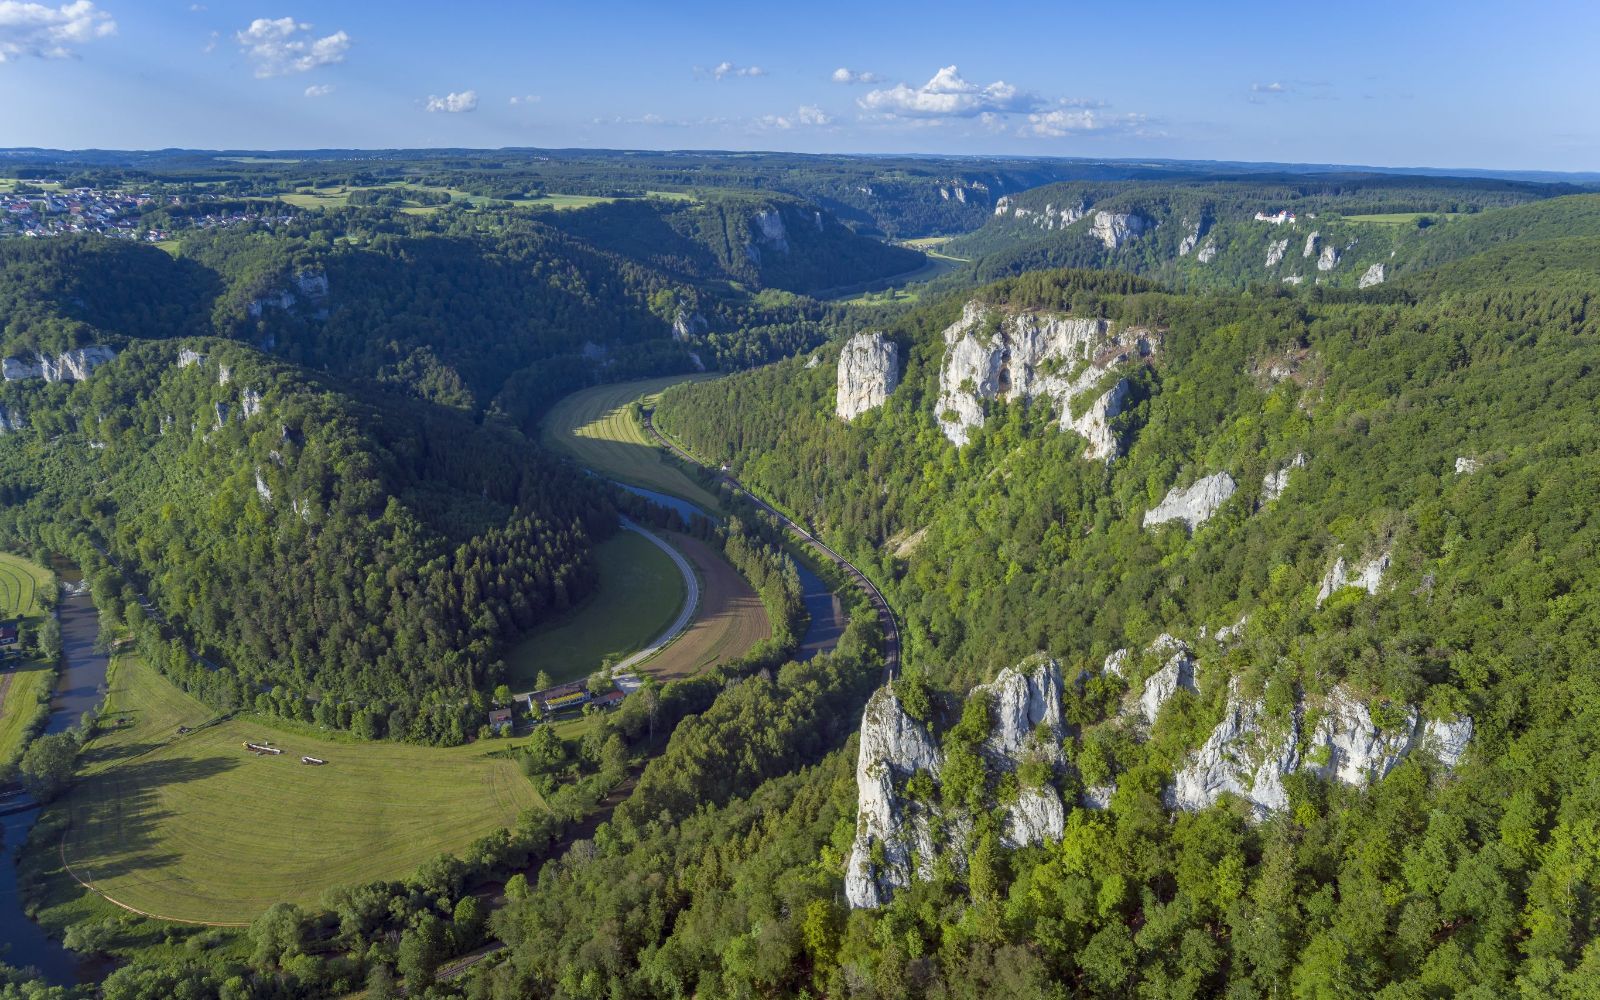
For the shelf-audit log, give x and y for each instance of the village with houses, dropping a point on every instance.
(34, 209)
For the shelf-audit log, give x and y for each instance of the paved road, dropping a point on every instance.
(886, 619)
(691, 600)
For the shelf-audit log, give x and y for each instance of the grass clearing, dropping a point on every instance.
(1400, 218)
(24, 684)
(640, 593)
(594, 427)
(194, 827)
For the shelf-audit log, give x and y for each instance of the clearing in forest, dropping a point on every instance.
(195, 827)
(23, 683)
(640, 593)
(596, 428)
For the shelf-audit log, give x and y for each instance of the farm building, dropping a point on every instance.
(8, 633)
(611, 699)
(500, 720)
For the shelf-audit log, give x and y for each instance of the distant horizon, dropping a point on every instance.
(1474, 83)
(334, 153)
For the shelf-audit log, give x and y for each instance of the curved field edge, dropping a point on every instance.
(24, 683)
(194, 827)
(596, 429)
(640, 593)
(730, 621)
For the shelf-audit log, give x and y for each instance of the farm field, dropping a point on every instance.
(23, 685)
(340, 196)
(640, 593)
(594, 427)
(196, 828)
(730, 621)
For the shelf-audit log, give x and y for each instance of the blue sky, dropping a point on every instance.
(1466, 84)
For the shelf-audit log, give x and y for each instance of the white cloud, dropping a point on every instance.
(806, 116)
(1269, 88)
(467, 100)
(725, 69)
(1071, 120)
(319, 90)
(34, 29)
(948, 95)
(846, 75)
(526, 99)
(282, 46)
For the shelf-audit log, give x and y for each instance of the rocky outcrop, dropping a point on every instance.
(1329, 259)
(893, 747)
(1274, 483)
(995, 354)
(1050, 218)
(898, 837)
(68, 366)
(869, 370)
(1178, 673)
(221, 411)
(224, 374)
(1467, 466)
(1208, 253)
(687, 324)
(1249, 757)
(1373, 276)
(1368, 576)
(1311, 244)
(11, 420)
(1275, 251)
(249, 403)
(1192, 238)
(310, 284)
(262, 489)
(1114, 229)
(1241, 757)
(187, 357)
(1193, 504)
(767, 232)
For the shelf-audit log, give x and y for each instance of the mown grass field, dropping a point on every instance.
(640, 593)
(594, 427)
(195, 827)
(1400, 218)
(25, 682)
(338, 197)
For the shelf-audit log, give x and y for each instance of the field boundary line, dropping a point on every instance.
(62, 848)
(691, 601)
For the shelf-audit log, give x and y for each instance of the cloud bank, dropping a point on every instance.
(454, 104)
(34, 29)
(283, 46)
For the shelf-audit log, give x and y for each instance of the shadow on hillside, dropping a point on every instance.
(116, 816)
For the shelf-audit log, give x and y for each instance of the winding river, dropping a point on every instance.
(78, 690)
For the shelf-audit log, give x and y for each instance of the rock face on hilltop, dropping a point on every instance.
(1329, 259)
(1114, 229)
(1368, 576)
(1193, 504)
(869, 370)
(995, 354)
(899, 836)
(69, 366)
(311, 285)
(1275, 252)
(1178, 673)
(767, 234)
(1249, 757)
(1373, 276)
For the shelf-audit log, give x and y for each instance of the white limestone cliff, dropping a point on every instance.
(1240, 756)
(1329, 259)
(1373, 276)
(1311, 244)
(869, 370)
(1275, 251)
(187, 357)
(11, 420)
(1177, 674)
(68, 366)
(249, 403)
(767, 232)
(1208, 253)
(1467, 466)
(1193, 504)
(1114, 229)
(907, 835)
(1192, 238)
(995, 354)
(1367, 576)
(1274, 483)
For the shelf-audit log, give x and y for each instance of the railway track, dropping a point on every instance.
(886, 618)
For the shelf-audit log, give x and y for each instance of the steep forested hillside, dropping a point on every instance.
(1440, 441)
(357, 549)
(1206, 234)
